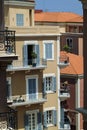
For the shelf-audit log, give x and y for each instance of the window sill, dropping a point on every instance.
(50, 125)
(49, 92)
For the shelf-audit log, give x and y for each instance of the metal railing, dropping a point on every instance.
(28, 63)
(26, 98)
(7, 41)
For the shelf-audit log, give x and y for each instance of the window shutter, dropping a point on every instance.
(25, 56)
(44, 85)
(39, 120)
(45, 119)
(54, 114)
(26, 122)
(37, 52)
(62, 117)
(54, 84)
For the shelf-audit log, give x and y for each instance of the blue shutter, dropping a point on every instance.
(45, 119)
(62, 117)
(54, 114)
(38, 55)
(44, 85)
(25, 55)
(26, 122)
(39, 120)
(54, 84)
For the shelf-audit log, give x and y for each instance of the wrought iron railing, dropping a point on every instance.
(7, 41)
(8, 120)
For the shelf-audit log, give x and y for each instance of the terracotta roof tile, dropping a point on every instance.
(57, 17)
(76, 64)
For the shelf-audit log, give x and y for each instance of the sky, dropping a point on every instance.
(74, 6)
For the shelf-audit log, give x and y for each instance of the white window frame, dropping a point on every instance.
(10, 94)
(49, 75)
(31, 77)
(49, 109)
(71, 44)
(33, 111)
(47, 42)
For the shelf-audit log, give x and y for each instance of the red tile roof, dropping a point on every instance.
(57, 17)
(76, 64)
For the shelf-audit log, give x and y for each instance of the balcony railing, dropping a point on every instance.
(41, 63)
(64, 93)
(63, 61)
(64, 125)
(7, 41)
(20, 100)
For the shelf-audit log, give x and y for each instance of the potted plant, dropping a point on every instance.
(34, 56)
(66, 48)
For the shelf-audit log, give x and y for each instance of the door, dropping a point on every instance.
(32, 88)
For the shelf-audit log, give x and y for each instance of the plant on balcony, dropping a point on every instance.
(34, 56)
(66, 48)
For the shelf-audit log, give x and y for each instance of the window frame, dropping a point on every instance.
(44, 54)
(50, 109)
(46, 76)
(27, 87)
(19, 20)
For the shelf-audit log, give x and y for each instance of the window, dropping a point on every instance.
(48, 50)
(69, 42)
(33, 120)
(19, 19)
(32, 87)
(50, 118)
(49, 83)
(28, 48)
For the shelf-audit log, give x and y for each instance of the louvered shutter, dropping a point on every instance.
(39, 120)
(54, 84)
(38, 55)
(45, 119)
(26, 122)
(54, 114)
(44, 85)
(25, 55)
(62, 117)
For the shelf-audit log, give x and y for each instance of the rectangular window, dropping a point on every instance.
(50, 118)
(49, 84)
(32, 87)
(48, 50)
(20, 19)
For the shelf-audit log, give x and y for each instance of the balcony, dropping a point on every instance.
(25, 100)
(29, 65)
(64, 93)
(63, 61)
(64, 126)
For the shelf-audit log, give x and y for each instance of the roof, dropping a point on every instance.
(76, 64)
(57, 17)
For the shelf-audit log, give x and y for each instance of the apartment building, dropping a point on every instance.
(33, 80)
